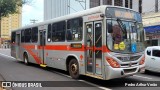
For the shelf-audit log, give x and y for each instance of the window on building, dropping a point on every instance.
(154, 42)
(34, 34)
(94, 3)
(13, 37)
(131, 4)
(140, 6)
(107, 2)
(118, 2)
(74, 29)
(58, 31)
(126, 3)
(27, 34)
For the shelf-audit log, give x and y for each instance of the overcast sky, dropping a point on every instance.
(35, 10)
(32, 11)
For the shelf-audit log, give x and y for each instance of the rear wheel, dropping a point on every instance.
(74, 69)
(26, 59)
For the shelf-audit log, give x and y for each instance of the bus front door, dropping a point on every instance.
(94, 48)
(42, 43)
(17, 46)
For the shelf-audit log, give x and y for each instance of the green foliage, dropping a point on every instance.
(10, 6)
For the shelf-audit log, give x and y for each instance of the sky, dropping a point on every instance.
(34, 10)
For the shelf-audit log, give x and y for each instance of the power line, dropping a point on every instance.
(80, 2)
(72, 8)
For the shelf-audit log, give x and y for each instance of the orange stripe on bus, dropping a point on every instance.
(67, 47)
(28, 48)
(58, 47)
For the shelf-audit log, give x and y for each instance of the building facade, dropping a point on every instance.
(141, 6)
(123, 3)
(151, 23)
(9, 23)
(55, 8)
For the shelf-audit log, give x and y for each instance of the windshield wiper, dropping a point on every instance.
(122, 26)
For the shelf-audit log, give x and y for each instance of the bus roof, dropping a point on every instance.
(99, 9)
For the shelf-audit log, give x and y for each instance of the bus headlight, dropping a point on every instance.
(113, 62)
(142, 60)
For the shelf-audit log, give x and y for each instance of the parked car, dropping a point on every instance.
(152, 58)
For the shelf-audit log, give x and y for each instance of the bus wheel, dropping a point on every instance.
(26, 59)
(74, 69)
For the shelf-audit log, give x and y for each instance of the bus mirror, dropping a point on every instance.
(110, 28)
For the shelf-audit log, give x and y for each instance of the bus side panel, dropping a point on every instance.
(57, 58)
(32, 52)
(13, 50)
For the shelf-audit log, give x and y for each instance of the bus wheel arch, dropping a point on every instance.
(72, 66)
(25, 58)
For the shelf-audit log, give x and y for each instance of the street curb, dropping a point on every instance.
(1, 80)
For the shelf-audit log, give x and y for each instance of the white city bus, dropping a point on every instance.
(104, 42)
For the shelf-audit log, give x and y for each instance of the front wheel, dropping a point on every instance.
(74, 69)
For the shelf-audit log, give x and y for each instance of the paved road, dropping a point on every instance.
(12, 70)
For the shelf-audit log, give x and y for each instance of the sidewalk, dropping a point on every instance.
(5, 51)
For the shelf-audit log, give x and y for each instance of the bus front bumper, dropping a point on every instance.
(112, 73)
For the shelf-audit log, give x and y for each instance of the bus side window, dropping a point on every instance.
(28, 35)
(74, 29)
(22, 36)
(49, 33)
(34, 35)
(58, 31)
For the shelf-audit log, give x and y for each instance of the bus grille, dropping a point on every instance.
(126, 59)
(129, 64)
(129, 70)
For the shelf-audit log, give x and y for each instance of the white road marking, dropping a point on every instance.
(142, 77)
(100, 87)
(7, 56)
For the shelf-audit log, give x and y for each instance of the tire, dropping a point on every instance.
(26, 59)
(74, 69)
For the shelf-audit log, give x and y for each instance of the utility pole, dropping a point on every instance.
(33, 21)
(156, 5)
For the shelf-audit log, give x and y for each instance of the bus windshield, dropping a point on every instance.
(127, 34)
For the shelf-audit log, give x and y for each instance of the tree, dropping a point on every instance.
(10, 6)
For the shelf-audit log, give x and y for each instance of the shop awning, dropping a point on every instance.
(152, 32)
(152, 29)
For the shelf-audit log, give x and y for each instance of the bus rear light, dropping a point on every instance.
(142, 60)
(112, 62)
